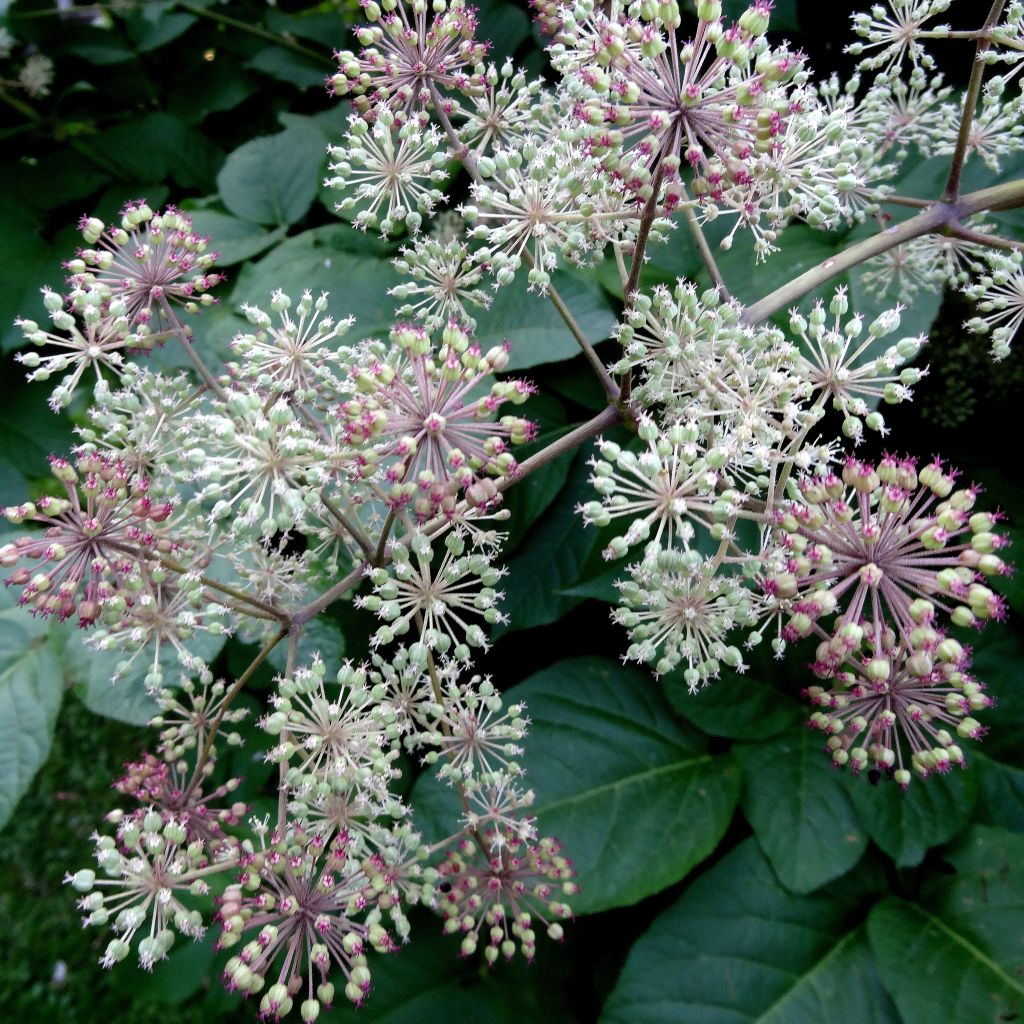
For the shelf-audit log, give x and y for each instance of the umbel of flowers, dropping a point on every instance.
(736, 505)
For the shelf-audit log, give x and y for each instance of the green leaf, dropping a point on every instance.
(549, 560)
(958, 954)
(1000, 793)
(235, 240)
(801, 247)
(156, 24)
(738, 949)
(800, 813)
(326, 259)
(617, 780)
(274, 179)
(996, 663)
(322, 23)
(917, 318)
(906, 825)
(533, 325)
(740, 707)
(504, 25)
(98, 46)
(31, 687)
(26, 263)
(287, 66)
(600, 587)
(127, 700)
(29, 431)
(209, 87)
(149, 149)
(528, 500)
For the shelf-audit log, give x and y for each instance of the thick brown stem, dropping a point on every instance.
(963, 137)
(637, 264)
(937, 217)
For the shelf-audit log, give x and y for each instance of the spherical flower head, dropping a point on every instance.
(92, 538)
(150, 877)
(433, 440)
(144, 423)
(444, 283)
(311, 908)
(503, 897)
(407, 689)
(744, 386)
(843, 367)
(391, 173)
(897, 707)
(164, 786)
(999, 294)
(409, 49)
(661, 492)
(651, 99)
(503, 114)
(297, 356)
(98, 341)
(149, 262)
(187, 714)
(680, 609)
(891, 31)
(473, 738)
(866, 544)
(330, 732)
(441, 601)
(527, 208)
(259, 464)
(155, 610)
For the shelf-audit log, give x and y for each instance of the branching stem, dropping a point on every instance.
(963, 137)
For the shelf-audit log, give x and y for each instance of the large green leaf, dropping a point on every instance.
(150, 149)
(738, 949)
(906, 825)
(1000, 793)
(740, 707)
(233, 239)
(799, 810)
(274, 179)
(287, 66)
(533, 325)
(31, 687)
(336, 259)
(958, 955)
(636, 799)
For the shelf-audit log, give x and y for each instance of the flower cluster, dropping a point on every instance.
(91, 540)
(869, 542)
(410, 52)
(842, 373)
(308, 469)
(123, 294)
(434, 440)
(893, 702)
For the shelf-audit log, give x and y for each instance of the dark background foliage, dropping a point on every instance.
(728, 874)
